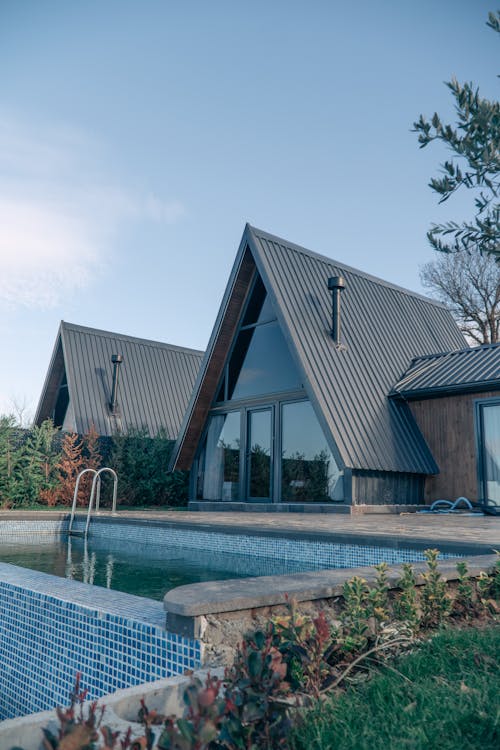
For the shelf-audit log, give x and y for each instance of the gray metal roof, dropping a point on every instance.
(155, 381)
(383, 328)
(472, 369)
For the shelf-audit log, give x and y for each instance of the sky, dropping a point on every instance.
(137, 137)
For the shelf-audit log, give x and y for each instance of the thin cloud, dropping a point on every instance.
(59, 214)
(44, 253)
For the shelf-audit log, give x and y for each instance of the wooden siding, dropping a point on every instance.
(447, 424)
(387, 488)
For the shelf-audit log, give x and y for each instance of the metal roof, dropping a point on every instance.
(383, 328)
(155, 381)
(472, 369)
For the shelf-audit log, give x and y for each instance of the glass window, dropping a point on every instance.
(259, 459)
(221, 395)
(259, 309)
(222, 458)
(61, 403)
(261, 363)
(309, 472)
(491, 453)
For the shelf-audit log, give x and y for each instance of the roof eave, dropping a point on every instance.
(447, 390)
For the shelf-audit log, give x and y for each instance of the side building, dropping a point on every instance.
(455, 400)
(116, 383)
(294, 405)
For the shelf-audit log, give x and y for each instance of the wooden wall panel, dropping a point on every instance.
(387, 488)
(447, 425)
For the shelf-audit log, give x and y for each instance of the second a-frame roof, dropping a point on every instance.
(383, 328)
(155, 381)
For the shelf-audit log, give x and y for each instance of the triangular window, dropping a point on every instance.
(260, 362)
(61, 403)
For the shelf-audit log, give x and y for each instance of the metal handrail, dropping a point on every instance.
(75, 495)
(96, 483)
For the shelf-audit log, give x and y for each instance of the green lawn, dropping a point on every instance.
(444, 696)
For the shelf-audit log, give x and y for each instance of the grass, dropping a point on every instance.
(445, 695)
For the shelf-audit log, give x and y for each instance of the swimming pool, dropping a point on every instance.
(52, 627)
(147, 559)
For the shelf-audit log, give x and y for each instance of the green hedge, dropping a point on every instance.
(39, 466)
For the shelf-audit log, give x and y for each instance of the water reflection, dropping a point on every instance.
(142, 569)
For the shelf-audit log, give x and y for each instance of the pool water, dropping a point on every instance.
(138, 569)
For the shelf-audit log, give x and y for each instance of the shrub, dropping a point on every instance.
(141, 463)
(41, 465)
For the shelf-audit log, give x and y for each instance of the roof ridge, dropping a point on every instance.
(125, 337)
(464, 350)
(344, 266)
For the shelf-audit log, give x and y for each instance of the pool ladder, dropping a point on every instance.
(95, 492)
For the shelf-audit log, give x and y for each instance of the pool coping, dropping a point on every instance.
(234, 595)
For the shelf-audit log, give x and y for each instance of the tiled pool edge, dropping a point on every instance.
(45, 638)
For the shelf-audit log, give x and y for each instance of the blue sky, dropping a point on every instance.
(138, 137)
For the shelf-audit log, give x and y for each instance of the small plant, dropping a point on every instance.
(406, 606)
(495, 577)
(483, 585)
(206, 710)
(464, 600)
(80, 729)
(308, 645)
(436, 603)
(257, 717)
(379, 595)
(488, 587)
(355, 614)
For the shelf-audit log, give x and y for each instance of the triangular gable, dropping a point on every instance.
(383, 326)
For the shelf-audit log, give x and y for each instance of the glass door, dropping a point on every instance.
(259, 454)
(490, 455)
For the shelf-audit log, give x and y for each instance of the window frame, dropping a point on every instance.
(479, 405)
(275, 403)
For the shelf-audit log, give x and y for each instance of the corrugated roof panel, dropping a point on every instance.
(155, 382)
(473, 368)
(383, 328)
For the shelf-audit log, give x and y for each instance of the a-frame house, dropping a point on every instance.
(116, 383)
(291, 407)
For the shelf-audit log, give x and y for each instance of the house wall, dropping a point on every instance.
(384, 488)
(448, 426)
